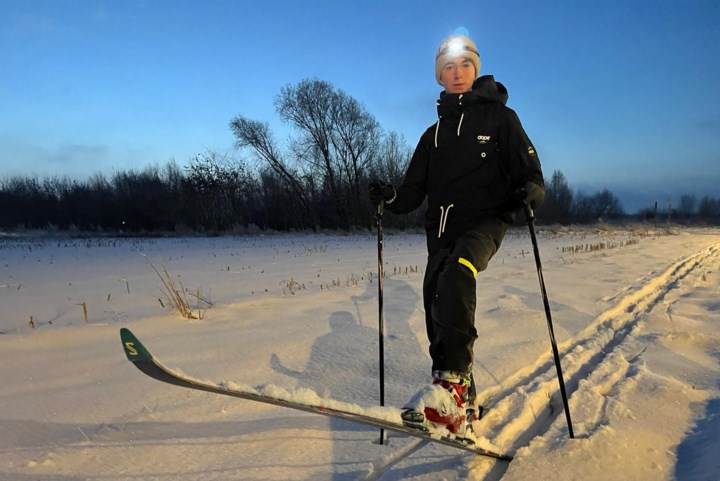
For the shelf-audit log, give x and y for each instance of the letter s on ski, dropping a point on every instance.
(130, 348)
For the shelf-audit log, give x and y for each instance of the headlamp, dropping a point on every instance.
(456, 48)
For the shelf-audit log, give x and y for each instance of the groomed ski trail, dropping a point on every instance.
(528, 402)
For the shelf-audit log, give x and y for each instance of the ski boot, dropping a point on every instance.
(443, 404)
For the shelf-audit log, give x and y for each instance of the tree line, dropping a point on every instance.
(315, 180)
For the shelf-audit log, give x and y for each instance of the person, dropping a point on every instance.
(477, 168)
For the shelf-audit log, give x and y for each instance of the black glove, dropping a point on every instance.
(381, 192)
(532, 195)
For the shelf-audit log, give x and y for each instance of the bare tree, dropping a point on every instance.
(356, 139)
(558, 200)
(257, 136)
(688, 205)
(308, 107)
(393, 159)
(217, 186)
(338, 140)
(599, 206)
(709, 208)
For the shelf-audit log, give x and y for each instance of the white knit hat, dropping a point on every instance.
(453, 47)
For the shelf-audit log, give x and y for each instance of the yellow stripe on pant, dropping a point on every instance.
(468, 264)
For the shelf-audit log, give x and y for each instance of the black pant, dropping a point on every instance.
(449, 293)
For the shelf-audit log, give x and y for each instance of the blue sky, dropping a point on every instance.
(621, 94)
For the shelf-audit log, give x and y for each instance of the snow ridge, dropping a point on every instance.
(528, 402)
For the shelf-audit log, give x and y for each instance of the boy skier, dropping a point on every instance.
(476, 166)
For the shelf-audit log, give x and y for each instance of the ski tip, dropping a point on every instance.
(134, 349)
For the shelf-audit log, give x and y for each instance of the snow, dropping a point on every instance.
(635, 312)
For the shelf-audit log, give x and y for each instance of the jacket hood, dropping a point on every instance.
(488, 90)
(485, 90)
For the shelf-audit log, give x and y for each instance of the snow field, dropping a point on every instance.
(636, 325)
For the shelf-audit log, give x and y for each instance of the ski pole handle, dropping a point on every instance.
(529, 214)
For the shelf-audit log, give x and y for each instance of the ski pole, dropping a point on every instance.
(530, 216)
(381, 322)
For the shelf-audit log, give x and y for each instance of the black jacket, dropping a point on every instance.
(469, 162)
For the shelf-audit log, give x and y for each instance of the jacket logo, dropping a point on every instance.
(483, 139)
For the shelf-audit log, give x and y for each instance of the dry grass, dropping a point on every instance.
(178, 295)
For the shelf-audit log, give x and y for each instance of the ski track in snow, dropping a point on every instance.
(595, 363)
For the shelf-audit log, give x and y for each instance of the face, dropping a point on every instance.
(458, 76)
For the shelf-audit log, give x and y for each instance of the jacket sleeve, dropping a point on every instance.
(522, 159)
(411, 193)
